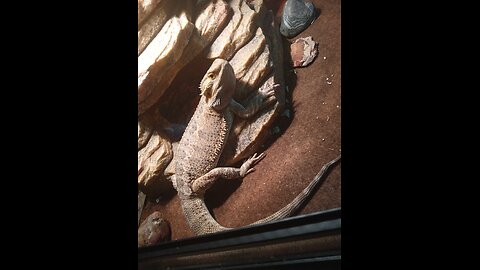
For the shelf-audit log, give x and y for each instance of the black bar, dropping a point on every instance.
(332, 261)
(316, 225)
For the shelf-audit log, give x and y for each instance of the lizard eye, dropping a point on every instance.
(211, 76)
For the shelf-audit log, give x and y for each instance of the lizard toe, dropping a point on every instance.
(256, 158)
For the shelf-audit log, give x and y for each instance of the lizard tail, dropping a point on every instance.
(199, 218)
(201, 221)
(293, 206)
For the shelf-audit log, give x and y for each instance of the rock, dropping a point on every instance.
(297, 15)
(153, 230)
(250, 64)
(150, 24)
(209, 21)
(155, 154)
(239, 29)
(144, 132)
(256, 73)
(160, 56)
(145, 8)
(248, 135)
(303, 51)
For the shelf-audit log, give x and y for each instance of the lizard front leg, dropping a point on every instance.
(201, 184)
(263, 98)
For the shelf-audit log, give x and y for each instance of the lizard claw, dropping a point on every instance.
(247, 165)
(256, 158)
(269, 91)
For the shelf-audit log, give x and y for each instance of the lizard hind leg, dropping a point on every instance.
(201, 184)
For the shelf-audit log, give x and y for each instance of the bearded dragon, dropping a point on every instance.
(202, 143)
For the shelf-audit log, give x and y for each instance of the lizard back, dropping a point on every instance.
(202, 142)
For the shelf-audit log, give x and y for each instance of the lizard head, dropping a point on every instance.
(218, 84)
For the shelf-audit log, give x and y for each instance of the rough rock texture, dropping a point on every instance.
(308, 139)
(297, 15)
(239, 29)
(153, 158)
(144, 132)
(256, 73)
(208, 23)
(303, 51)
(246, 60)
(210, 19)
(154, 153)
(153, 230)
(248, 135)
(151, 24)
(145, 8)
(160, 56)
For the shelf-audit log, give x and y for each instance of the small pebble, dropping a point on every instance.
(303, 51)
(324, 58)
(153, 230)
(329, 83)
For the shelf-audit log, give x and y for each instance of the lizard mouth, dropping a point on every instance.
(217, 103)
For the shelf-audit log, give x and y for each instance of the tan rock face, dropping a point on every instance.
(251, 74)
(209, 21)
(248, 135)
(246, 56)
(239, 29)
(145, 129)
(145, 8)
(257, 72)
(153, 158)
(160, 56)
(154, 151)
(152, 19)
